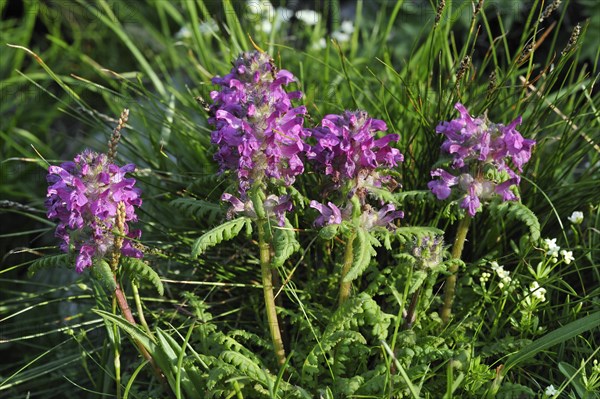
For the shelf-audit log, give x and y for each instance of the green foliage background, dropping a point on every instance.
(68, 69)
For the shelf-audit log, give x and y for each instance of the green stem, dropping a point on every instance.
(138, 305)
(346, 286)
(117, 359)
(450, 286)
(267, 282)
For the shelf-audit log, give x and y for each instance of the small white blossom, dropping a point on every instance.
(266, 26)
(503, 274)
(537, 291)
(567, 256)
(260, 7)
(320, 44)
(347, 27)
(552, 247)
(550, 390)
(309, 17)
(341, 36)
(183, 33)
(576, 217)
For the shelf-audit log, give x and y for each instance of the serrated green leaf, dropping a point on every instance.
(518, 211)
(329, 231)
(225, 231)
(362, 255)
(284, 244)
(61, 260)
(102, 272)
(140, 269)
(208, 212)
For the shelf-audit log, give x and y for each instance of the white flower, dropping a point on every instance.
(260, 7)
(266, 26)
(552, 247)
(209, 27)
(567, 256)
(347, 27)
(309, 17)
(341, 36)
(576, 217)
(183, 33)
(550, 390)
(537, 291)
(503, 274)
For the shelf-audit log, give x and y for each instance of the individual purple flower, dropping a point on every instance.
(275, 207)
(346, 145)
(330, 214)
(84, 196)
(372, 218)
(441, 188)
(258, 131)
(480, 149)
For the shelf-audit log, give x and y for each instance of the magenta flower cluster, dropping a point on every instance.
(346, 145)
(347, 150)
(258, 131)
(84, 195)
(480, 149)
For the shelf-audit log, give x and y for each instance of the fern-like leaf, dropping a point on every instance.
(327, 343)
(102, 272)
(225, 231)
(284, 244)
(363, 250)
(206, 211)
(518, 211)
(413, 196)
(140, 269)
(246, 365)
(61, 260)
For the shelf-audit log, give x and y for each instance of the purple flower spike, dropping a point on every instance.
(479, 145)
(84, 195)
(258, 132)
(346, 144)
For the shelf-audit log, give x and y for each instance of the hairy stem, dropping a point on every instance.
(267, 282)
(450, 286)
(346, 286)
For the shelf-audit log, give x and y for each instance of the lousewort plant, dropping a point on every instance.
(94, 202)
(260, 138)
(85, 196)
(484, 157)
(348, 152)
